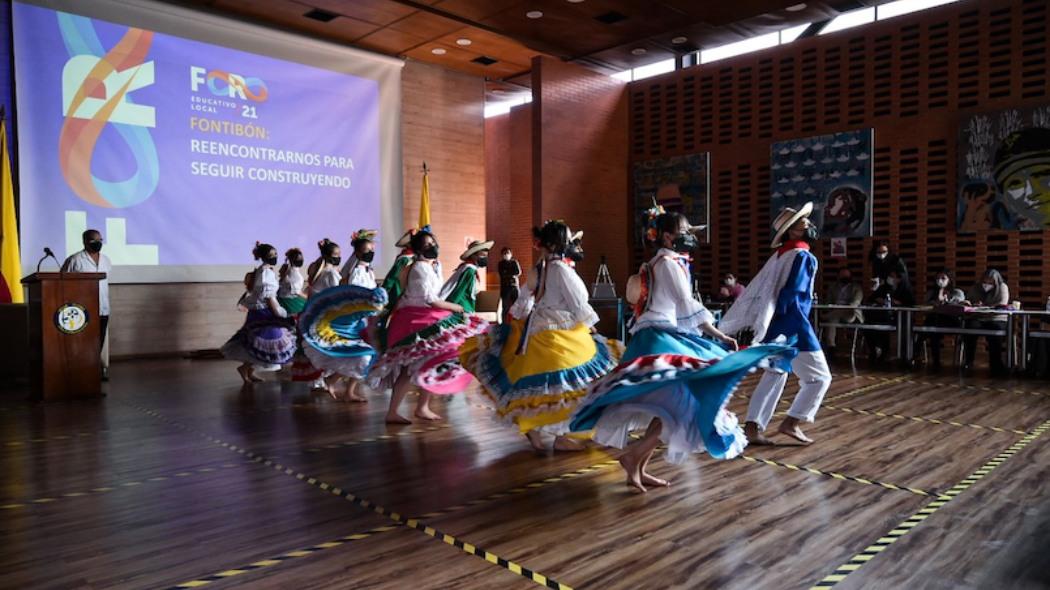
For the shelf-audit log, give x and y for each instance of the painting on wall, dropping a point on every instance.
(834, 172)
(1004, 171)
(678, 183)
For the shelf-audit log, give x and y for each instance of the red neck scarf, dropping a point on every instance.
(792, 245)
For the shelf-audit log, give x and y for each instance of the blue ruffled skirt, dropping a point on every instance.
(684, 380)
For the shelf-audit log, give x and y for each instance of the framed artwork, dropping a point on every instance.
(838, 247)
(1004, 171)
(834, 172)
(678, 183)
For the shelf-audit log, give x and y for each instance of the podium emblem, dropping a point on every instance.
(71, 318)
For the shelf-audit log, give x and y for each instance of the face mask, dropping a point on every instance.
(844, 280)
(684, 243)
(367, 257)
(94, 246)
(334, 260)
(811, 233)
(430, 252)
(574, 253)
(296, 262)
(882, 255)
(987, 288)
(483, 262)
(272, 260)
(942, 283)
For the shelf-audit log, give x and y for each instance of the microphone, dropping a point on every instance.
(48, 254)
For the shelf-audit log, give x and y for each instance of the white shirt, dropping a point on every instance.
(82, 262)
(326, 278)
(362, 275)
(564, 302)
(292, 283)
(671, 303)
(264, 288)
(424, 285)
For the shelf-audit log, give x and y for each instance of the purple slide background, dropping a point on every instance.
(199, 220)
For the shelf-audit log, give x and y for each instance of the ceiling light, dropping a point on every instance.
(463, 42)
(679, 40)
(438, 51)
(575, 1)
(638, 51)
(796, 7)
(534, 14)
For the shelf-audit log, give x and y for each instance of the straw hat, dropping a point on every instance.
(576, 236)
(474, 247)
(634, 288)
(787, 218)
(406, 240)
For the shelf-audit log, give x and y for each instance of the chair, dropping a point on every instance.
(489, 306)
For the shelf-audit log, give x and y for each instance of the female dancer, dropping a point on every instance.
(291, 292)
(672, 381)
(265, 341)
(463, 286)
(537, 367)
(424, 334)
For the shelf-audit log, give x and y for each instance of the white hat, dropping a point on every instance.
(406, 240)
(787, 218)
(576, 236)
(474, 247)
(634, 288)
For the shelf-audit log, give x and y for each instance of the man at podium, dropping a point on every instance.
(91, 259)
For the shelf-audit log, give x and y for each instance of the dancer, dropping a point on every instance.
(392, 281)
(463, 286)
(265, 342)
(336, 343)
(537, 367)
(291, 290)
(777, 304)
(671, 381)
(424, 333)
(324, 274)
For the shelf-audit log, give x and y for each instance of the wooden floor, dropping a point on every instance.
(179, 477)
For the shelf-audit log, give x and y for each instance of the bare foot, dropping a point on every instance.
(397, 419)
(427, 414)
(564, 443)
(754, 437)
(536, 441)
(654, 481)
(243, 372)
(357, 398)
(794, 432)
(634, 474)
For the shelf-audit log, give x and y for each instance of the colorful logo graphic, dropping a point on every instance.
(96, 87)
(228, 85)
(71, 318)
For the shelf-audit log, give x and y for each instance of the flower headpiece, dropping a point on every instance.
(363, 234)
(651, 214)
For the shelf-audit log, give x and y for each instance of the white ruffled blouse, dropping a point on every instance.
(671, 302)
(362, 275)
(564, 302)
(292, 283)
(424, 285)
(328, 277)
(264, 288)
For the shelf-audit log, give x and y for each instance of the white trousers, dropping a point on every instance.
(814, 378)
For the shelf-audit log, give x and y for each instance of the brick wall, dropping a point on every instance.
(912, 79)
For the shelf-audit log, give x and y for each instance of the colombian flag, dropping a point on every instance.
(10, 264)
(424, 200)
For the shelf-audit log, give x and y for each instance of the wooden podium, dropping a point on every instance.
(64, 357)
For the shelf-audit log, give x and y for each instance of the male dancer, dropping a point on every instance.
(775, 304)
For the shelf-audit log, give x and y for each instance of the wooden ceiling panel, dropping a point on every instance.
(427, 25)
(456, 58)
(390, 41)
(379, 12)
(491, 45)
(289, 15)
(478, 10)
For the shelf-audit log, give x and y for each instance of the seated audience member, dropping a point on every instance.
(895, 291)
(883, 261)
(943, 292)
(730, 290)
(845, 291)
(991, 292)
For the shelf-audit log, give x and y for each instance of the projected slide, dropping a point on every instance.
(184, 153)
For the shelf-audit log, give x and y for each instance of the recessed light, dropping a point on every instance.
(463, 42)
(679, 40)
(575, 1)
(438, 51)
(534, 14)
(796, 7)
(638, 51)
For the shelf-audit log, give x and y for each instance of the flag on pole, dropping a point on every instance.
(10, 261)
(424, 199)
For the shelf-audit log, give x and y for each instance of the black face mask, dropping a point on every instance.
(483, 262)
(430, 252)
(811, 234)
(94, 246)
(684, 243)
(334, 260)
(574, 253)
(844, 281)
(296, 262)
(271, 260)
(367, 257)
